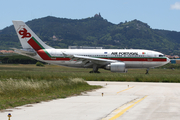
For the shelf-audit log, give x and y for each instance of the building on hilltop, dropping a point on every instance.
(97, 15)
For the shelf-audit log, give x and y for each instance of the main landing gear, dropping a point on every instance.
(147, 71)
(95, 69)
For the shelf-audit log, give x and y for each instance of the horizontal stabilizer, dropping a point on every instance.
(25, 51)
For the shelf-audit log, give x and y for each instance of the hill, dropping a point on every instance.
(96, 31)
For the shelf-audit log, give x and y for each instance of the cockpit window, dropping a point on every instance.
(161, 55)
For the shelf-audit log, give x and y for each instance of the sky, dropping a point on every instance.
(158, 14)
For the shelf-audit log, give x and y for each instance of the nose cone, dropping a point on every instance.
(167, 60)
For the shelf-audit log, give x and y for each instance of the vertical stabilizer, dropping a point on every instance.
(28, 38)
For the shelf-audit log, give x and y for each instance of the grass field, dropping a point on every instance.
(23, 84)
(53, 72)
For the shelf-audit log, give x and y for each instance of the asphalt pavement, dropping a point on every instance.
(116, 100)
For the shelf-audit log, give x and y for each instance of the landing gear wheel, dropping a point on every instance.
(94, 72)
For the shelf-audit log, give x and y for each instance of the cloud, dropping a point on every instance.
(176, 6)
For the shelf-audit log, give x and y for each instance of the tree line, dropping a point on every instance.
(17, 59)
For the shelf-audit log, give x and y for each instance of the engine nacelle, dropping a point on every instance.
(116, 67)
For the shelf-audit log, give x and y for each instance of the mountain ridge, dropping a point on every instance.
(96, 31)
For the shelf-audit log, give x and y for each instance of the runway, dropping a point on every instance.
(120, 101)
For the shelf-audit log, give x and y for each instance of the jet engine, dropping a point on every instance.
(116, 67)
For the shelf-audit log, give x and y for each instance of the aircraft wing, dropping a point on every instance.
(88, 61)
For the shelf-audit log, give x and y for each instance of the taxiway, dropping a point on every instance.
(120, 101)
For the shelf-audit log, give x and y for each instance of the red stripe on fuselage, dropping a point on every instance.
(39, 50)
(141, 59)
(34, 45)
(43, 54)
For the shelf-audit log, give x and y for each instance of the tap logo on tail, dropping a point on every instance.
(24, 33)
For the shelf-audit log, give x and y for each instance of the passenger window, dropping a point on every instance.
(161, 55)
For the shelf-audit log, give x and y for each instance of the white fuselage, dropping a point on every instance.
(133, 58)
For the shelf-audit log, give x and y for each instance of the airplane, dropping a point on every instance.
(115, 60)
